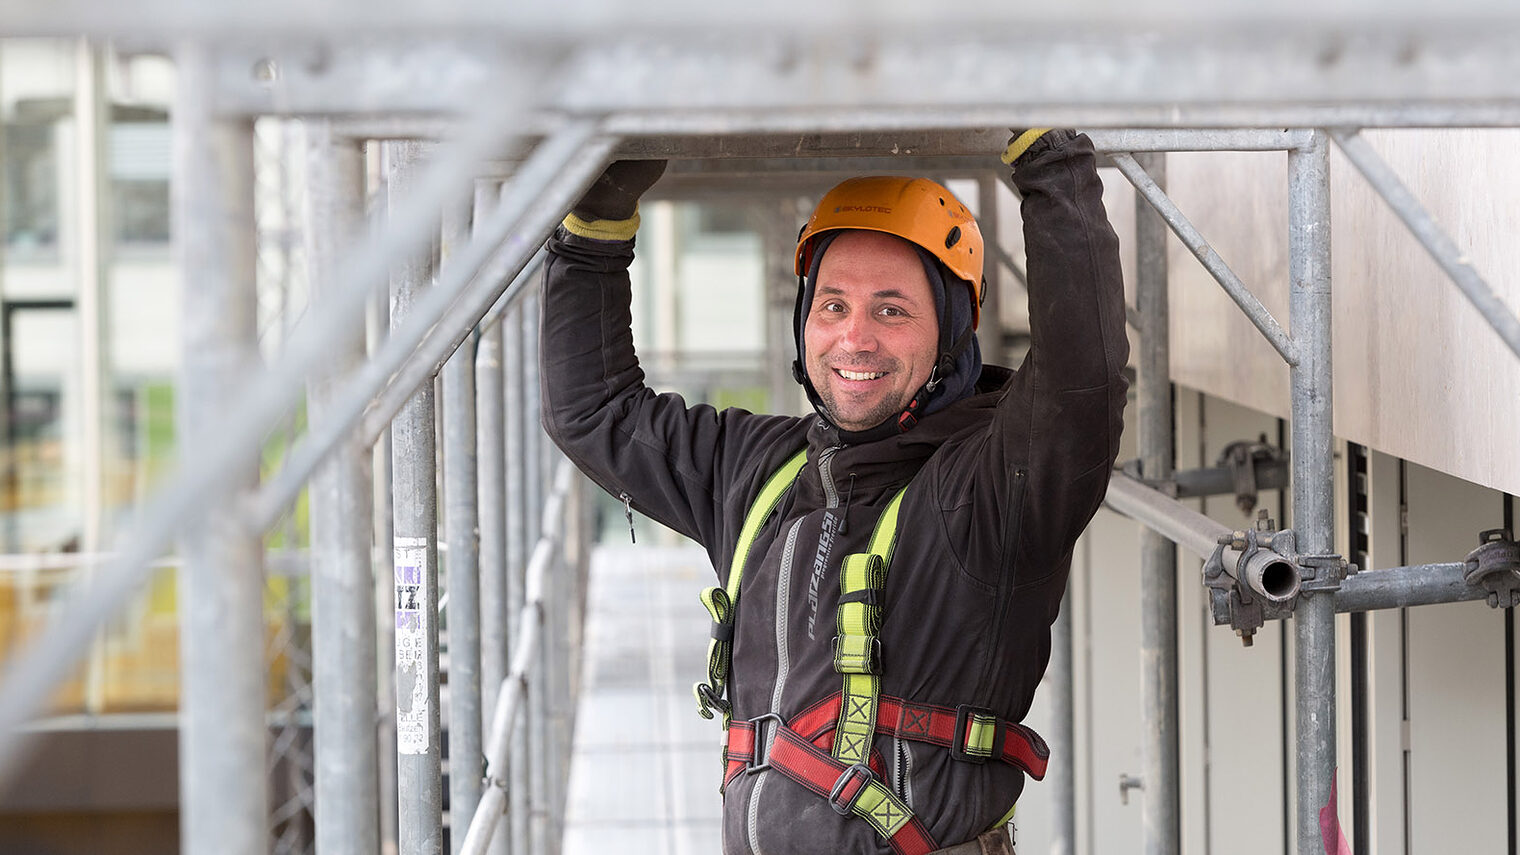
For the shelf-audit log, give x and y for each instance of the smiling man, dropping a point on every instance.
(901, 554)
(871, 329)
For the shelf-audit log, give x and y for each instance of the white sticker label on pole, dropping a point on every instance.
(412, 652)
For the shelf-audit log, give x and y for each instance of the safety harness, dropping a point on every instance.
(827, 747)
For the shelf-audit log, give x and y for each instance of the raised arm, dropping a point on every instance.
(1041, 470)
(668, 458)
(1071, 387)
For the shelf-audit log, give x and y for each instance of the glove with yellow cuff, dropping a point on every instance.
(1030, 140)
(610, 208)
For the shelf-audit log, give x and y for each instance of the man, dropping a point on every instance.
(899, 587)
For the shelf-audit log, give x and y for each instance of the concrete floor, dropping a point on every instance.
(646, 769)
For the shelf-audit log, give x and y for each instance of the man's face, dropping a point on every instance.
(872, 334)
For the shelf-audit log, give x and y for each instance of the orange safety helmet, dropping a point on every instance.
(917, 210)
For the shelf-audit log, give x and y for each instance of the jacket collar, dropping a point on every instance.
(893, 460)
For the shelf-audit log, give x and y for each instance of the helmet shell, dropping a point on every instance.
(915, 209)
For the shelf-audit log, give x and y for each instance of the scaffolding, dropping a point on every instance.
(494, 122)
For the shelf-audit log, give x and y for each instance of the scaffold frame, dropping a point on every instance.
(545, 122)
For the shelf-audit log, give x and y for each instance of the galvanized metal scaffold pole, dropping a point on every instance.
(461, 524)
(344, 678)
(419, 787)
(518, 527)
(1161, 818)
(1313, 484)
(539, 731)
(223, 735)
(490, 421)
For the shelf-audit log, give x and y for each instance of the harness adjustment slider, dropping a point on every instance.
(847, 807)
(966, 717)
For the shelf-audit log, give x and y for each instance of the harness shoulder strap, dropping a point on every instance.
(857, 648)
(722, 603)
(760, 510)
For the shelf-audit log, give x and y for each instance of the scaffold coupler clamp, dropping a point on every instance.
(1322, 574)
(498, 782)
(1495, 565)
(1269, 576)
(1241, 458)
(1219, 583)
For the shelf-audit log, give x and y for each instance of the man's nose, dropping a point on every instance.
(858, 334)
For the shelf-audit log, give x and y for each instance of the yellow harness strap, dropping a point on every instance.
(722, 604)
(857, 649)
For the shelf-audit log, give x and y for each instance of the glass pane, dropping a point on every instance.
(42, 512)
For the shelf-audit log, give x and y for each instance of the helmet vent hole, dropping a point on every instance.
(954, 236)
(942, 202)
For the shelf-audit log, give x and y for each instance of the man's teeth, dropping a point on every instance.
(861, 375)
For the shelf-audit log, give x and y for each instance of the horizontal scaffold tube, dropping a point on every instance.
(1397, 587)
(1369, 590)
(1191, 530)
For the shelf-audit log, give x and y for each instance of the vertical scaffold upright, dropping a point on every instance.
(1161, 820)
(1313, 474)
(222, 728)
(419, 787)
(342, 571)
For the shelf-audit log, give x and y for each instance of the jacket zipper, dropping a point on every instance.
(902, 770)
(826, 474)
(628, 512)
(783, 668)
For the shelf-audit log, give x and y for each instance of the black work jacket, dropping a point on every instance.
(1003, 482)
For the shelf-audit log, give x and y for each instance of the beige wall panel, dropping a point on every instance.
(1240, 204)
(1418, 373)
(1456, 681)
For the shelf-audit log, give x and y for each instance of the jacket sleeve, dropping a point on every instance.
(1056, 431)
(672, 461)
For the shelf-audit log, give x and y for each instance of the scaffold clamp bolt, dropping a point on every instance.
(1495, 565)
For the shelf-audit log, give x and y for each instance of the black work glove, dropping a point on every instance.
(615, 194)
(1029, 140)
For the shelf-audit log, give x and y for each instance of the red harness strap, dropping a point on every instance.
(739, 754)
(1012, 743)
(840, 784)
(800, 750)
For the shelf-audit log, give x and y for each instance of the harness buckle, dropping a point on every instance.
(709, 700)
(760, 754)
(847, 807)
(872, 665)
(963, 722)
